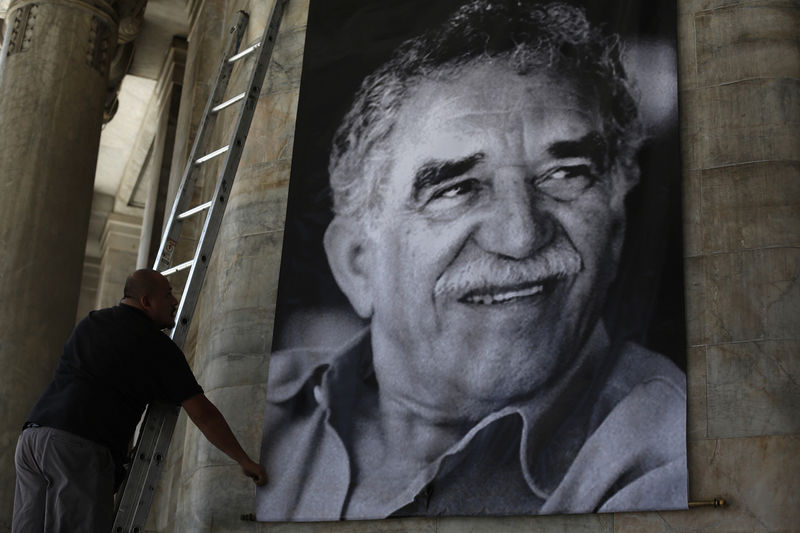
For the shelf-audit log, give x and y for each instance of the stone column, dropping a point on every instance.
(53, 74)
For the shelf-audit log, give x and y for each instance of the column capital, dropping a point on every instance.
(115, 26)
(99, 8)
(39, 29)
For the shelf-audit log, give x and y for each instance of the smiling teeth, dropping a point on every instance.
(489, 299)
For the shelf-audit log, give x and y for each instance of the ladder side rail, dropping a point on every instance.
(139, 488)
(174, 225)
(137, 491)
(148, 474)
(208, 237)
(128, 498)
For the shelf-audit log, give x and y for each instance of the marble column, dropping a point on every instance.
(53, 75)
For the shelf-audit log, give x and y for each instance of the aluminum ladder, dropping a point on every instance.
(138, 491)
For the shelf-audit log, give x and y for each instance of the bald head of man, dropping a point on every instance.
(150, 292)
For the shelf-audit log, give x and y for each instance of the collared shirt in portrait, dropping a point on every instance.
(614, 442)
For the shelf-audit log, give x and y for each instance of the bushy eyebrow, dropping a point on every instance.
(434, 172)
(592, 146)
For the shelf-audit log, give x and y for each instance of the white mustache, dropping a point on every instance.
(490, 273)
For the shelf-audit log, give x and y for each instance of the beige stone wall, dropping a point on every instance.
(202, 489)
(740, 112)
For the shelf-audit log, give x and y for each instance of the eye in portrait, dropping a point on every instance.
(480, 304)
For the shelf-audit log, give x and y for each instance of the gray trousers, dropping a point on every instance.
(65, 483)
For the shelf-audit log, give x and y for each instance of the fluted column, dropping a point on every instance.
(53, 78)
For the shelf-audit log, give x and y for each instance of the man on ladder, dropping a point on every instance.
(70, 453)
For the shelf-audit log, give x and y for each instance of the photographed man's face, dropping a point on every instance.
(498, 236)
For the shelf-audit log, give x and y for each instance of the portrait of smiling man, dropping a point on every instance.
(479, 182)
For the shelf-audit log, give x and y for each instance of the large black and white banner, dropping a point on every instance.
(480, 305)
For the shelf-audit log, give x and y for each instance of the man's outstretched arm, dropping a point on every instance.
(212, 424)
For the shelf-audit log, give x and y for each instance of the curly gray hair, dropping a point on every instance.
(529, 36)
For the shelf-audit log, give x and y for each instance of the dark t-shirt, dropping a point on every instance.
(113, 365)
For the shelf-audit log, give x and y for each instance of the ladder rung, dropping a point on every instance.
(192, 211)
(212, 155)
(225, 104)
(182, 266)
(158, 426)
(244, 52)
